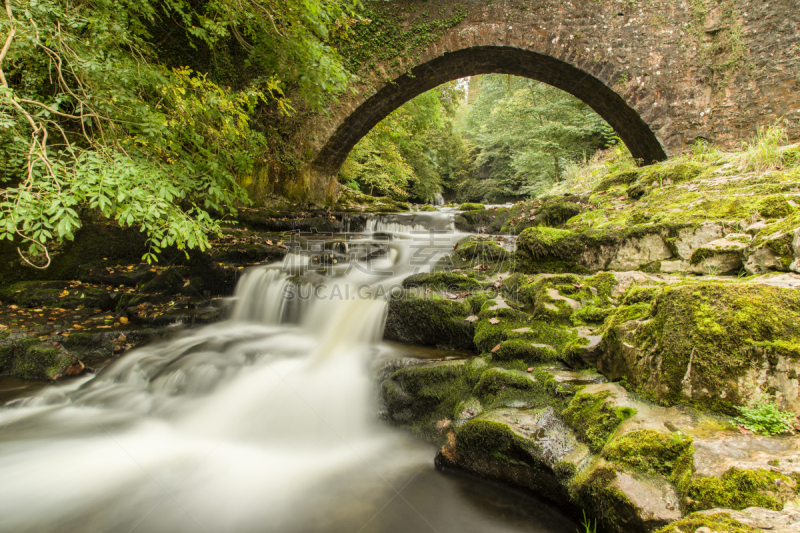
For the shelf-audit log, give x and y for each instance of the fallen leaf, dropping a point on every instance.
(455, 246)
(123, 320)
(744, 431)
(188, 281)
(494, 321)
(496, 349)
(471, 318)
(442, 424)
(122, 337)
(530, 369)
(451, 296)
(78, 326)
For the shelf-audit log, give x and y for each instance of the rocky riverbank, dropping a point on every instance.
(626, 332)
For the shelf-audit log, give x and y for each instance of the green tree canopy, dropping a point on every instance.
(522, 132)
(92, 118)
(414, 152)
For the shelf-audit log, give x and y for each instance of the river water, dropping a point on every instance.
(264, 422)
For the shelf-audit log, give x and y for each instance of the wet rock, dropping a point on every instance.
(428, 321)
(108, 301)
(32, 358)
(169, 282)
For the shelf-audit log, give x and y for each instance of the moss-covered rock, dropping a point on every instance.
(489, 221)
(652, 452)
(37, 360)
(719, 522)
(545, 250)
(711, 344)
(739, 489)
(442, 281)
(471, 207)
(526, 351)
(422, 395)
(428, 320)
(593, 419)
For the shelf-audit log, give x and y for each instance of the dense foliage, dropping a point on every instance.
(515, 139)
(94, 122)
(414, 152)
(523, 134)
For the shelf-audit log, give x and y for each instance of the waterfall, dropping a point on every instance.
(263, 422)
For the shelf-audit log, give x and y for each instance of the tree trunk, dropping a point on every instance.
(558, 169)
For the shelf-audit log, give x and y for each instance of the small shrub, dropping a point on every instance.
(765, 418)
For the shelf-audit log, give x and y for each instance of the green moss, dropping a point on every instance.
(471, 207)
(429, 320)
(442, 281)
(591, 314)
(652, 452)
(723, 328)
(737, 489)
(478, 439)
(431, 393)
(488, 335)
(35, 360)
(496, 379)
(604, 282)
(593, 420)
(623, 177)
(774, 206)
(716, 523)
(593, 490)
(6, 358)
(525, 350)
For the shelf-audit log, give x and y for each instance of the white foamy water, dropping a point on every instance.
(264, 422)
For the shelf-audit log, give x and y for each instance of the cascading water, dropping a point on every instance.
(438, 199)
(264, 422)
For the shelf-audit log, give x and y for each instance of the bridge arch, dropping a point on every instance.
(663, 73)
(620, 113)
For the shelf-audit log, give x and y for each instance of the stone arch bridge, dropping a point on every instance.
(662, 73)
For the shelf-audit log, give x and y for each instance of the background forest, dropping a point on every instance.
(489, 138)
(147, 113)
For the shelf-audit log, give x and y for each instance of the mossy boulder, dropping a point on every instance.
(547, 250)
(36, 360)
(489, 221)
(471, 207)
(653, 452)
(710, 344)
(739, 489)
(421, 395)
(512, 325)
(428, 320)
(442, 281)
(526, 351)
(774, 206)
(594, 418)
(717, 522)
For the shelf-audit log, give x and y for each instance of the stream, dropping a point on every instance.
(264, 422)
